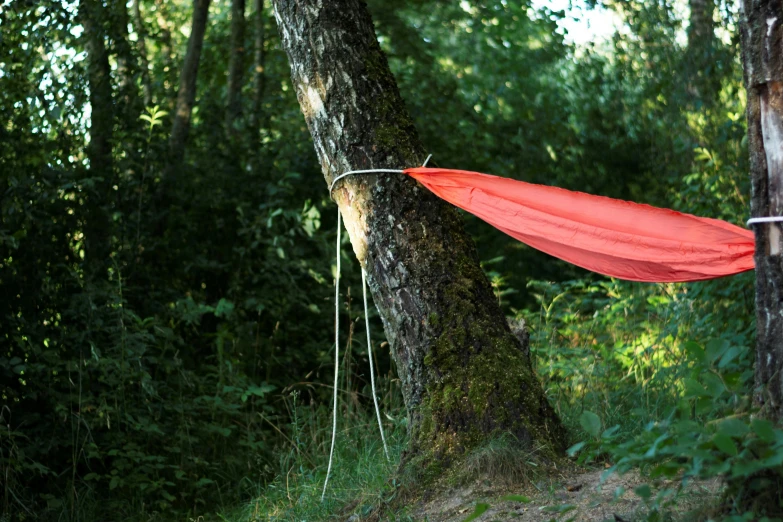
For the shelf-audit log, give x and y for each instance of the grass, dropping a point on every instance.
(361, 479)
(501, 460)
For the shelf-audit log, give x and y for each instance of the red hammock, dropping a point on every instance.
(609, 236)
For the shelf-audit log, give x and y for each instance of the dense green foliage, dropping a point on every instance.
(165, 346)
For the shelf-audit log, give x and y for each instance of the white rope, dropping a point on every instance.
(336, 350)
(366, 171)
(372, 370)
(337, 325)
(371, 171)
(772, 219)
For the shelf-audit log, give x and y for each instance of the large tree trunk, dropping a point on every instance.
(186, 96)
(236, 67)
(464, 375)
(99, 150)
(141, 42)
(762, 53)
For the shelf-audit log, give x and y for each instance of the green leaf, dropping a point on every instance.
(224, 308)
(724, 443)
(713, 384)
(763, 429)
(562, 508)
(733, 428)
(693, 388)
(516, 498)
(573, 450)
(729, 356)
(743, 468)
(480, 510)
(774, 460)
(695, 351)
(716, 348)
(591, 423)
(643, 491)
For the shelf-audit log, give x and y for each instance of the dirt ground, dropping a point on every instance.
(577, 495)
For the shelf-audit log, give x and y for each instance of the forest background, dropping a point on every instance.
(166, 281)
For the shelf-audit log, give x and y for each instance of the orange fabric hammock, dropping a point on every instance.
(609, 236)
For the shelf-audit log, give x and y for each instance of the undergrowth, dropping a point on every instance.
(656, 378)
(361, 481)
(660, 379)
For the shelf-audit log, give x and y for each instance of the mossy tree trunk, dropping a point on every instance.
(762, 53)
(464, 375)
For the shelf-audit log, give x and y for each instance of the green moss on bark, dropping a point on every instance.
(480, 383)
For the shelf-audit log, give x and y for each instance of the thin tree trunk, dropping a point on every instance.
(236, 67)
(703, 84)
(141, 42)
(464, 375)
(166, 51)
(186, 96)
(762, 34)
(259, 77)
(99, 150)
(701, 31)
(125, 59)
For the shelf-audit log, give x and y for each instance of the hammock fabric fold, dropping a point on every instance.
(612, 237)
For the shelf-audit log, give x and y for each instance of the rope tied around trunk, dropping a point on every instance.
(366, 324)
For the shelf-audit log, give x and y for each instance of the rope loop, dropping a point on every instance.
(370, 171)
(770, 219)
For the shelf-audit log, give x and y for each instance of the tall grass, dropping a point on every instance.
(361, 480)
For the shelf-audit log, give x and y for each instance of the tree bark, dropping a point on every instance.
(141, 42)
(125, 67)
(186, 96)
(99, 150)
(166, 51)
(99, 80)
(464, 375)
(701, 31)
(236, 67)
(703, 84)
(762, 53)
(259, 78)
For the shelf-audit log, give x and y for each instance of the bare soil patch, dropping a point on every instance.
(575, 495)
